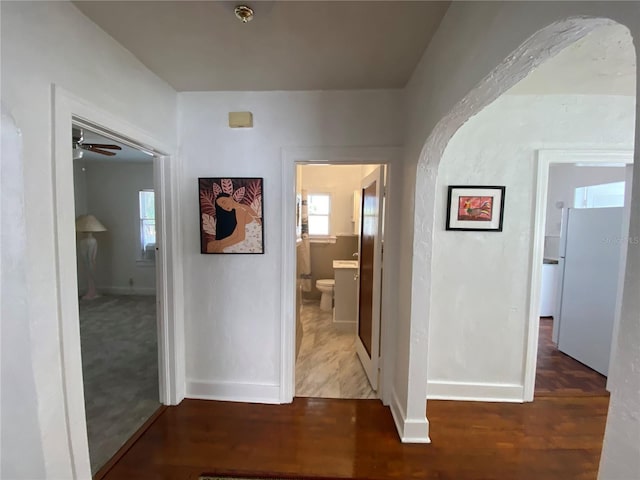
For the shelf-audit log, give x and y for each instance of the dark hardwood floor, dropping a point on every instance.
(559, 374)
(558, 436)
(551, 438)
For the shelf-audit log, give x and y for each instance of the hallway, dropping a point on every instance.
(357, 439)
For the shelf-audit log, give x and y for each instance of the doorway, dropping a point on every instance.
(68, 110)
(378, 156)
(576, 257)
(336, 302)
(114, 193)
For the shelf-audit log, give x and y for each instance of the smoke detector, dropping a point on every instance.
(244, 13)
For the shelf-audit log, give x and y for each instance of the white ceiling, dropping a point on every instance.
(127, 154)
(602, 63)
(290, 45)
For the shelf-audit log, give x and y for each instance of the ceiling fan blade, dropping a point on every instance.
(92, 148)
(101, 145)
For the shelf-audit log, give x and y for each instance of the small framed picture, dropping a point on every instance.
(475, 208)
(231, 219)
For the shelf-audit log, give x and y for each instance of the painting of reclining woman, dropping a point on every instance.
(231, 215)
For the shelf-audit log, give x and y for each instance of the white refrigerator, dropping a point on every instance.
(589, 266)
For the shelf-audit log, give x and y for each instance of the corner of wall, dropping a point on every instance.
(410, 430)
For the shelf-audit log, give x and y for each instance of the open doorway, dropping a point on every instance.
(338, 264)
(114, 193)
(586, 214)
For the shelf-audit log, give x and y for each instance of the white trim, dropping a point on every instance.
(476, 392)
(545, 158)
(233, 391)
(410, 430)
(332, 155)
(68, 109)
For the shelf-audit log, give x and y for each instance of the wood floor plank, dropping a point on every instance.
(551, 438)
(559, 374)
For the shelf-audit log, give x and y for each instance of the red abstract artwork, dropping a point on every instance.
(475, 208)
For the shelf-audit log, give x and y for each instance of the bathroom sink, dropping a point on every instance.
(345, 264)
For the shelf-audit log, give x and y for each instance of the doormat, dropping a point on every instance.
(207, 476)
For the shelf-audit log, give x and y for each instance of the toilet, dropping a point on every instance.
(326, 286)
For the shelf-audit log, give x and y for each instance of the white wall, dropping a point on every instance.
(563, 181)
(480, 50)
(480, 291)
(233, 301)
(112, 196)
(45, 43)
(340, 181)
(21, 455)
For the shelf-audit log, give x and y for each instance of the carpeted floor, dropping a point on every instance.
(120, 369)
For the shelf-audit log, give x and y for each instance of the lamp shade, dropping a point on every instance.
(89, 223)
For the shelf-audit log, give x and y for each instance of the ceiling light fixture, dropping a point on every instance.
(244, 13)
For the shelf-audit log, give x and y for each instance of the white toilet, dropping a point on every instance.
(326, 286)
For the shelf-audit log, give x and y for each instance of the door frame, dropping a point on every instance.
(291, 157)
(68, 109)
(545, 158)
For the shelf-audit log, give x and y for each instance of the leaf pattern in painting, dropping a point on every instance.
(209, 224)
(256, 205)
(253, 191)
(207, 202)
(238, 195)
(227, 186)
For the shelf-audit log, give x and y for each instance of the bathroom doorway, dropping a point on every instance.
(338, 286)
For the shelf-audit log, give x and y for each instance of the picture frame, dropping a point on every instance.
(475, 208)
(231, 215)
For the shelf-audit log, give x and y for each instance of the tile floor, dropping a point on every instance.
(327, 365)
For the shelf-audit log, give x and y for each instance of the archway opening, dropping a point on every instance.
(569, 124)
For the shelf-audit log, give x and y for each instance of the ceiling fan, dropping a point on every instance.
(101, 148)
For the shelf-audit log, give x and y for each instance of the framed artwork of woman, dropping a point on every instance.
(231, 218)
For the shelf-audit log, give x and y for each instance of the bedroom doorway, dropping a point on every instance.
(114, 194)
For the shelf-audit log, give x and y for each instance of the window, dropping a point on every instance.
(600, 196)
(147, 225)
(319, 209)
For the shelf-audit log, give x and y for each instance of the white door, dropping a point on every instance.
(370, 274)
(590, 285)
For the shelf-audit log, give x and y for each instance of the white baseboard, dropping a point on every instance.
(475, 392)
(410, 430)
(233, 391)
(127, 290)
